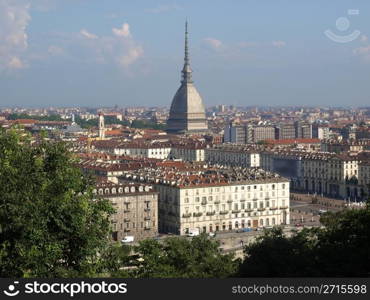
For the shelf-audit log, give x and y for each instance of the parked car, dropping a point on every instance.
(128, 239)
(193, 232)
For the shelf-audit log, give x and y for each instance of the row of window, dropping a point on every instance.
(236, 197)
(236, 225)
(236, 206)
(127, 225)
(236, 188)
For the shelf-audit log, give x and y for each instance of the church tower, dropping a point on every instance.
(187, 113)
(101, 127)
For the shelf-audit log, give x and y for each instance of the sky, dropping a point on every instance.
(130, 53)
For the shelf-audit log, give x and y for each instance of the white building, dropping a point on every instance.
(155, 150)
(219, 199)
(232, 155)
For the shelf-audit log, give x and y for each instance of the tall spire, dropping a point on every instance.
(186, 70)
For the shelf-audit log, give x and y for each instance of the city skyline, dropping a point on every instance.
(102, 55)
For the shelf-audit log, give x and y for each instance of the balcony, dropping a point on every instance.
(248, 210)
(267, 198)
(235, 211)
(188, 215)
(210, 213)
(229, 201)
(224, 212)
(127, 230)
(127, 210)
(273, 208)
(255, 199)
(147, 228)
(242, 200)
(261, 209)
(147, 218)
(198, 214)
(146, 209)
(127, 219)
(283, 207)
(217, 202)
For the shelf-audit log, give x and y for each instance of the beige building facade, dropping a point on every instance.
(136, 208)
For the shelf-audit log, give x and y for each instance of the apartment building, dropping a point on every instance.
(335, 175)
(136, 209)
(232, 155)
(218, 199)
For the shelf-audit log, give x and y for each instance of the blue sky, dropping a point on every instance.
(243, 52)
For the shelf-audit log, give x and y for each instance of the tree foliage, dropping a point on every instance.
(178, 257)
(340, 249)
(49, 224)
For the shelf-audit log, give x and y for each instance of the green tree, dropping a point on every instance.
(49, 223)
(275, 255)
(340, 249)
(116, 260)
(15, 116)
(182, 258)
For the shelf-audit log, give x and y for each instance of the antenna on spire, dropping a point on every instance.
(186, 71)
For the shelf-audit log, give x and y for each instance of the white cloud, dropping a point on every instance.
(164, 8)
(14, 19)
(279, 44)
(364, 38)
(16, 63)
(88, 35)
(118, 48)
(131, 56)
(124, 31)
(363, 52)
(213, 43)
